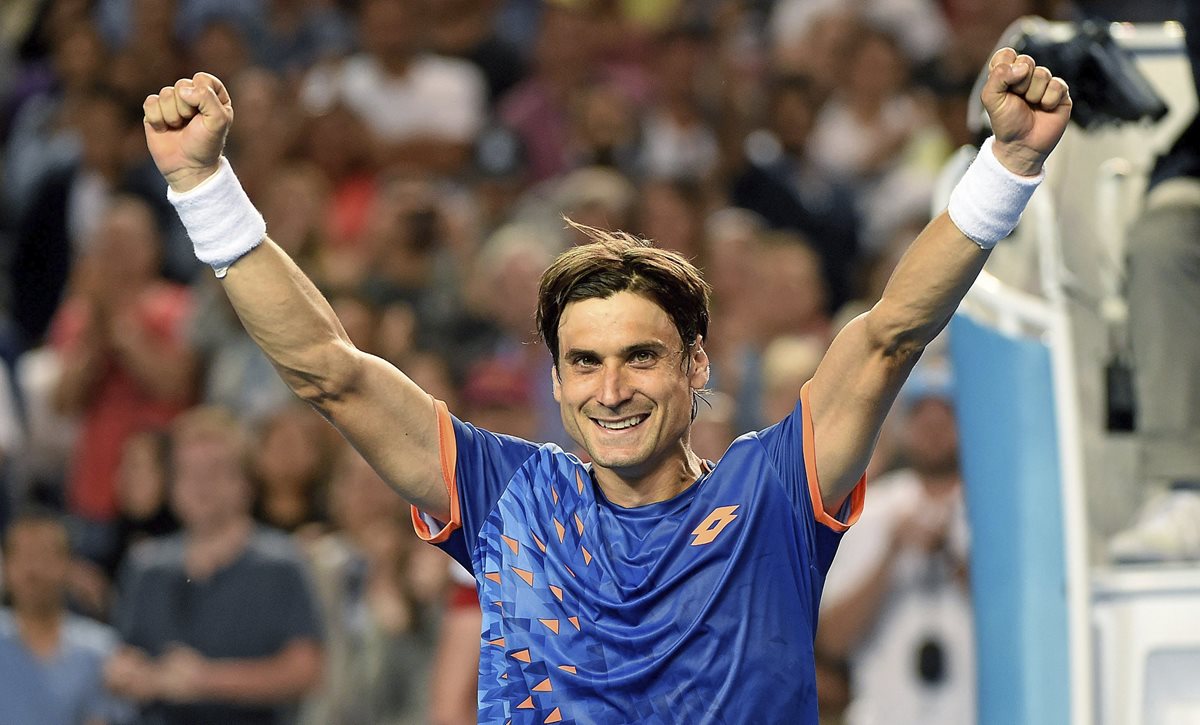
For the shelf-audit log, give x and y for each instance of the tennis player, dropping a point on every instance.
(648, 585)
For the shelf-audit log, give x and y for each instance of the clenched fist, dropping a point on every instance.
(1029, 108)
(186, 125)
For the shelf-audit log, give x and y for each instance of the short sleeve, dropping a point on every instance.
(790, 447)
(477, 465)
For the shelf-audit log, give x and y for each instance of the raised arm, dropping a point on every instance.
(862, 372)
(381, 412)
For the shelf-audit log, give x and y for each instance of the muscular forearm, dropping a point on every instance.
(284, 313)
(925, 289)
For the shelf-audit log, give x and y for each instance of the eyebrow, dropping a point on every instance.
(655, 345)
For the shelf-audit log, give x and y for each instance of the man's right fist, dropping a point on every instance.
(185, 127)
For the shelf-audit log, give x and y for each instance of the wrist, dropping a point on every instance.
(1019, 159)
(988, 200)
(187, 179)
(219, 218)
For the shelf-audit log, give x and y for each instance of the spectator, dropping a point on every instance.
(120, 338)
(377, 587)
(784, 184)
(423, 109)
(67, 207)
(897, 606)
(289, 467)
(219, 623)
(466, 29)
(51, 661)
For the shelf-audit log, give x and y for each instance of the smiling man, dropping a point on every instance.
(646, 586)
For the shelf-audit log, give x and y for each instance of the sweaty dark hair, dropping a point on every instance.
(618, 262)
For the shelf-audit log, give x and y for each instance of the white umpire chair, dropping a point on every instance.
(1063, 636)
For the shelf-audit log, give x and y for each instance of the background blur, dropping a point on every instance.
(415, 157)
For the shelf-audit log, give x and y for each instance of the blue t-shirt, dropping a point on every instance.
(67, 688)
(698, 609)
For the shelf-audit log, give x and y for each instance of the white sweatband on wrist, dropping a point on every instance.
(988, 200)
(219, 219)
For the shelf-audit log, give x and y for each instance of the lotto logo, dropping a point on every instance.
(713, 525)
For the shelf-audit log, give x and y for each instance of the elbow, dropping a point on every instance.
(892, 336)
(335, 372)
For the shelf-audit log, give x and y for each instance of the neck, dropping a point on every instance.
(212, 548)
(670, 478)
(39, 628)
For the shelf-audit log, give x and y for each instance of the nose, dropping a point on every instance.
(613, 388)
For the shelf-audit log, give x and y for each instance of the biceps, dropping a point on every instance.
(850, 396)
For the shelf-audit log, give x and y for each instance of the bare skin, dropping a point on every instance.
(390, 420)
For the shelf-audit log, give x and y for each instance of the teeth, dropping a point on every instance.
(621, 424)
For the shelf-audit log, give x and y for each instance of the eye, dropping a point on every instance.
(643, 357)
(584, 361)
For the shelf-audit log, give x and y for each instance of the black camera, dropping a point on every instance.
(1106, 86)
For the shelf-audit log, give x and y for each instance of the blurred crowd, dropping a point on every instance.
(218, 553)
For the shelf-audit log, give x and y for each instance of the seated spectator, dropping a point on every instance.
(422, 109)
(51, 661)
(124, 364)
(219, 622)
(377, 588)
(783, 182)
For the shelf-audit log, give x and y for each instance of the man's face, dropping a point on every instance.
(932, 437)
(624, 382)
(36, 560)
(209, 489)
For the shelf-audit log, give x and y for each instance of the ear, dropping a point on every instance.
(698, 378)
(555, 383)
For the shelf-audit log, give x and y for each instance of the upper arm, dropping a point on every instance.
(392, 423)
(849, 396)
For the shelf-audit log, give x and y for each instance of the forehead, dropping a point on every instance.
(615, 322)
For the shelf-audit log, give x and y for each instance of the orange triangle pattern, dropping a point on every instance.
(551, 624)
(527, 705)
(579, 481)
(560, 529)
(574, 621)
(526, 575)
(523, 654)
(543, 686)
(504, 676)
(579, 524)
(512, 544)
(587, 556)
(555, 716)
(538, 541)
(498, 604)
(493, 575)
(556, 591)
(554, 495)
(568, 570)
(567, 668)
(497, 642)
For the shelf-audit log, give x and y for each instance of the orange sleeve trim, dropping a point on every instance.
(857, 496)
(448, 452)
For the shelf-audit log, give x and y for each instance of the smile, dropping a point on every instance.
(621, 424)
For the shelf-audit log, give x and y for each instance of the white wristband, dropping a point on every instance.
(988, 200)
(219, 218)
